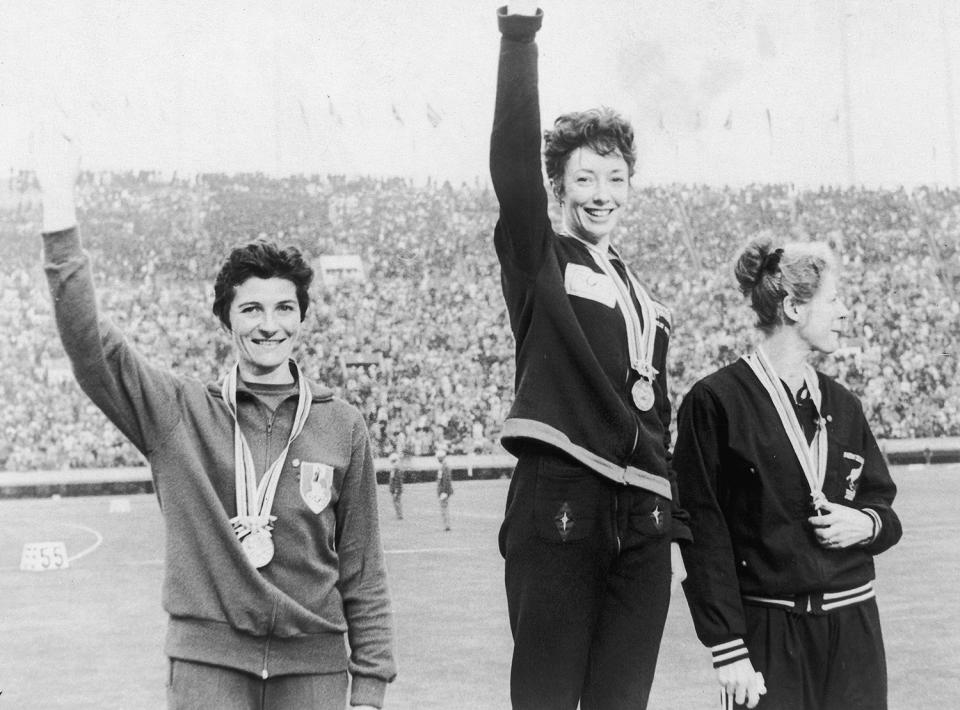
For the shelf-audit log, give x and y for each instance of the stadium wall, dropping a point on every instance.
(419, 469)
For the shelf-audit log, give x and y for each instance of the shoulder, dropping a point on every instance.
(721, 382)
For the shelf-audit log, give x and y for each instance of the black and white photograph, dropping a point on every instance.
(535, 355)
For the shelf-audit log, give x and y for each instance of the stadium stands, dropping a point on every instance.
(425, 334)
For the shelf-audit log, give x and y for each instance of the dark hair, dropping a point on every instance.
(603, 130)
(263, 260)
(768, 272)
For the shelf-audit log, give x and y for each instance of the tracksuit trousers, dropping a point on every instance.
(200, 686)
(833, 661)
(588, 586)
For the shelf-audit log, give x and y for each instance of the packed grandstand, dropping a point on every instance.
(421, 343)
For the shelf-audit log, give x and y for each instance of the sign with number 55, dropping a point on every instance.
(43, 556)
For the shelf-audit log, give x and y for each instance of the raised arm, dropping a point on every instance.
(137, 398)
(515, 164)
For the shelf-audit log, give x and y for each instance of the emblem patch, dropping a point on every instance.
(316, 485)
(585, 282)
(657, 516)
(853, 477)
(564, 521)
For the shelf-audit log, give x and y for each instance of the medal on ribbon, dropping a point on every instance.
(253, 523)
(812, 457)
(641, 329)
(258, 545)
(643, 394)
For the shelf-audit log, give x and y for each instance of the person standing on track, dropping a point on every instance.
(265, 481)
(444, 487)
(396, 484)
(789, 499)
(591, 525)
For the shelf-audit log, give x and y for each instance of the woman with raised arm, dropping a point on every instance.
(591, 524)
(789, 500)
(265, 480)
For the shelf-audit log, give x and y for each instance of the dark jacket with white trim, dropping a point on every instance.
(749, 501)
(573, 374)
(327, 577)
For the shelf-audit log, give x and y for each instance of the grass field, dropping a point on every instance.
(90, 636)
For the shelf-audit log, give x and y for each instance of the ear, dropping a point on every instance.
(792, 309)
(557, 190)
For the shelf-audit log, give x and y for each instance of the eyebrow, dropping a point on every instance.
(284, 302)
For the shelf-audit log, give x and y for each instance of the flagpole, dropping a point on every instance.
(847, 102)
(948, 90)
(277, 156)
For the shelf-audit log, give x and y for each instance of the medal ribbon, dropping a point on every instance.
(812, 457)
(640, 334)
(254, 501)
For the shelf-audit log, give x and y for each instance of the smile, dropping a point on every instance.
(597, 212)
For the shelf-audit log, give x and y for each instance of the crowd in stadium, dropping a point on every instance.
(422, 345)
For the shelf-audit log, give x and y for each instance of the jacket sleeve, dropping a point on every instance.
(363, 577)
(712, 588)
(876, 493)
(681, 518)
(138, 398)
(523, 229)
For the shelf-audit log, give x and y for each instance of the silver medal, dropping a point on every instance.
(258, 546)
(643, 394)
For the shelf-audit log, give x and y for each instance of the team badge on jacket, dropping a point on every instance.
(853, 476)
(564, 521)
(316, 485)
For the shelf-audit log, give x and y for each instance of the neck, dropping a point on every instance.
(602, 244)
(787, 354)
(282, 375)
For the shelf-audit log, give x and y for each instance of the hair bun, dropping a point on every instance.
(771, 262)
(757, 259)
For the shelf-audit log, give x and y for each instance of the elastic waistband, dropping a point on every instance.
(815, 602)
(515, 428)
(220, 644)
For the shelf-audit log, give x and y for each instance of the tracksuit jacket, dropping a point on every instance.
(573, 375)
(749, 502)
(327, 578)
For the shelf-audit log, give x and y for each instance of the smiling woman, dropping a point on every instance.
(266, 479)
(261, 298)
(591, 505)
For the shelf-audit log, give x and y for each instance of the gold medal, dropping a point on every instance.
(643, 394)
(258, 546)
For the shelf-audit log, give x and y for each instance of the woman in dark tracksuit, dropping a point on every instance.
(590, 514)
(789, 500)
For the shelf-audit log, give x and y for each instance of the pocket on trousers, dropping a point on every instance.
(651, 516)
(566, 502)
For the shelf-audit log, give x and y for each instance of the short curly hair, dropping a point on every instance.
(603, 130)
(265, 260)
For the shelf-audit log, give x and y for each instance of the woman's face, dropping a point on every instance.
(820, 321)
(265, 325)
(595, 189)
